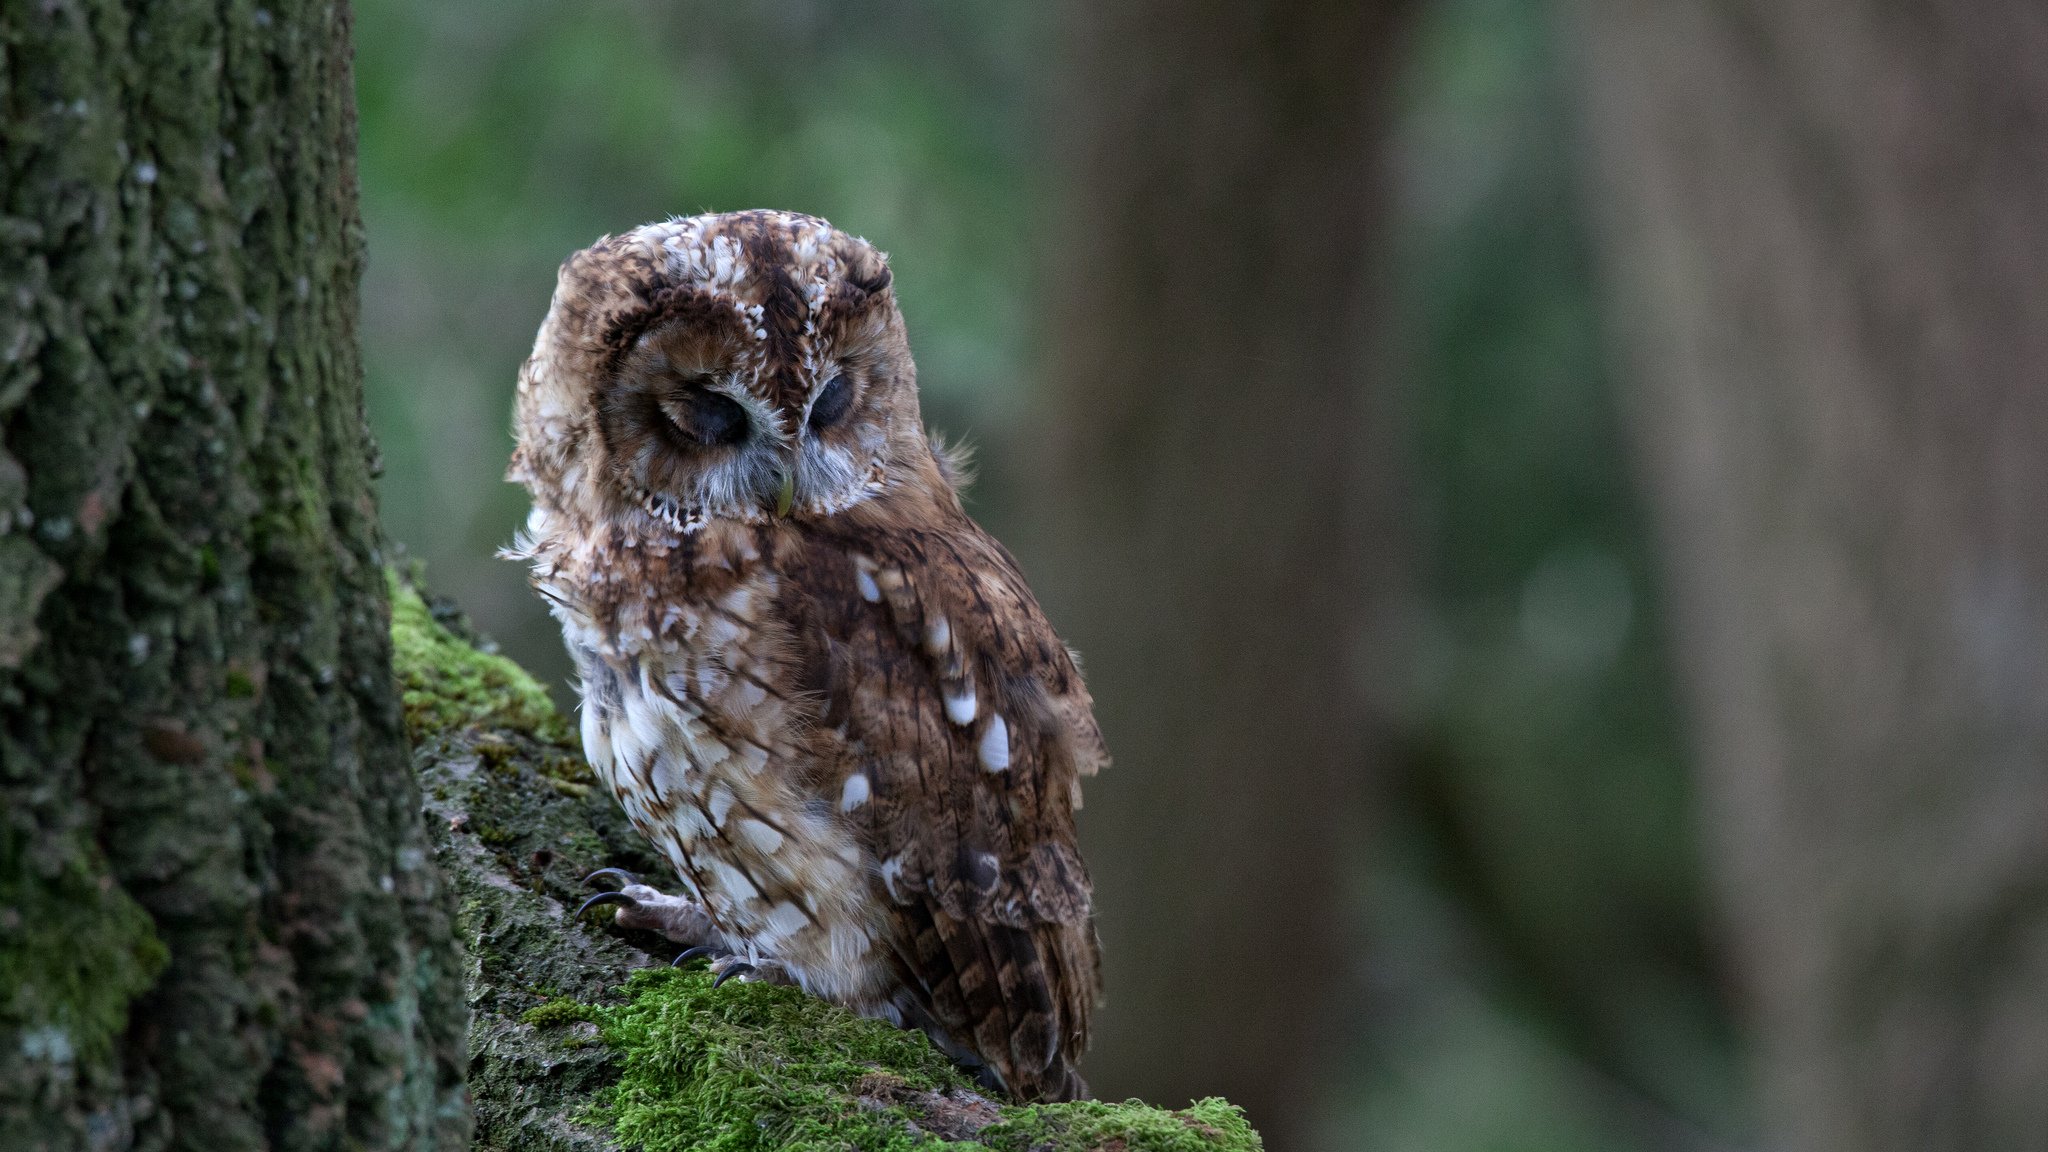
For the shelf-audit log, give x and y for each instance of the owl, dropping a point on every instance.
(817, 686)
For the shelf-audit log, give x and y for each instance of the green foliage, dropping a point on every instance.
(448, 683)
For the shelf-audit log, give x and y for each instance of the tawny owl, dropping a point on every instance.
(817, 686)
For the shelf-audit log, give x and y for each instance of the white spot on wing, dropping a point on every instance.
(690, 825)
(869, 591)
(730, 881)
(960, 709)
(995, 744)
(848, 943)
(854, 793)
(783, 920)
(892, 871)
(719, 803)
(938, 635)
(597, 747)
(665, 774)
(761, 837)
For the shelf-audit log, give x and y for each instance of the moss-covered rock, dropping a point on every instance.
(449, 683)
(583, 1038)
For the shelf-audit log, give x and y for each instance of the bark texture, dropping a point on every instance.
(1216, 482)
(1828, 228)
(219, 928)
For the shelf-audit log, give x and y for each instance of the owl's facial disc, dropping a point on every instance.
(689, 435)
(701, 430)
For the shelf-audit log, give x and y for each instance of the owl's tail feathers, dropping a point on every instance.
(1008, 1002)
(1055, 1085)
(1049, 978)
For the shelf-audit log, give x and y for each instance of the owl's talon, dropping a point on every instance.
(689, 954)
(605, 898)
(679, 918)
(623, 877)
(760, 970)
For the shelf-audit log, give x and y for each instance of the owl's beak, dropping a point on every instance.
(786, 495)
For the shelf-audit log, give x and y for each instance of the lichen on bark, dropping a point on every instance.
(581, 1038)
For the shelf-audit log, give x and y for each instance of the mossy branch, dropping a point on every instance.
(581, 1037)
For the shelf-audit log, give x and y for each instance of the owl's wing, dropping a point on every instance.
(944, 689)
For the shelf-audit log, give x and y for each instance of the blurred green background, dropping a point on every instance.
(1532, 963)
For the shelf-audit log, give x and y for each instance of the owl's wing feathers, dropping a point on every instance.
(944, 686)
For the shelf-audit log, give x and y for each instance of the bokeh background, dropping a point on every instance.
(1409, 409)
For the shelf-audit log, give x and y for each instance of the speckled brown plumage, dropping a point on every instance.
(812, 681)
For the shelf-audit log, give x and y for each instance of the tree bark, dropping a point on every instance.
(1216, 480)
(1828, 232)
(219, 928)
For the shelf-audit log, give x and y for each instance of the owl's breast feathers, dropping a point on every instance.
(861, 742)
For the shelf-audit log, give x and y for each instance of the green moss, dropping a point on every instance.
(556, 1013)
(493, 835)
(240, 685)
(755, 1067)
(74, 953)
(1210, 1125)
(569, 770)
(448, 684)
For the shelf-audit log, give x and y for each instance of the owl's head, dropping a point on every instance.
(740, 366)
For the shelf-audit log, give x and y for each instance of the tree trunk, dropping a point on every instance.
(218, 926)
(1828, 227)
(1216, 479)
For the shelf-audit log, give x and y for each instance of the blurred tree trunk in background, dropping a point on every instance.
(1216, 480)
(218, 926)
(1828, 226)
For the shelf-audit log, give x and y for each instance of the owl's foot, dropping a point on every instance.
(677, 917)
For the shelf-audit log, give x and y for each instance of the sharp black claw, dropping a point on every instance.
(689, 954)
(605, 898)
(739, 969)
(619, 874)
